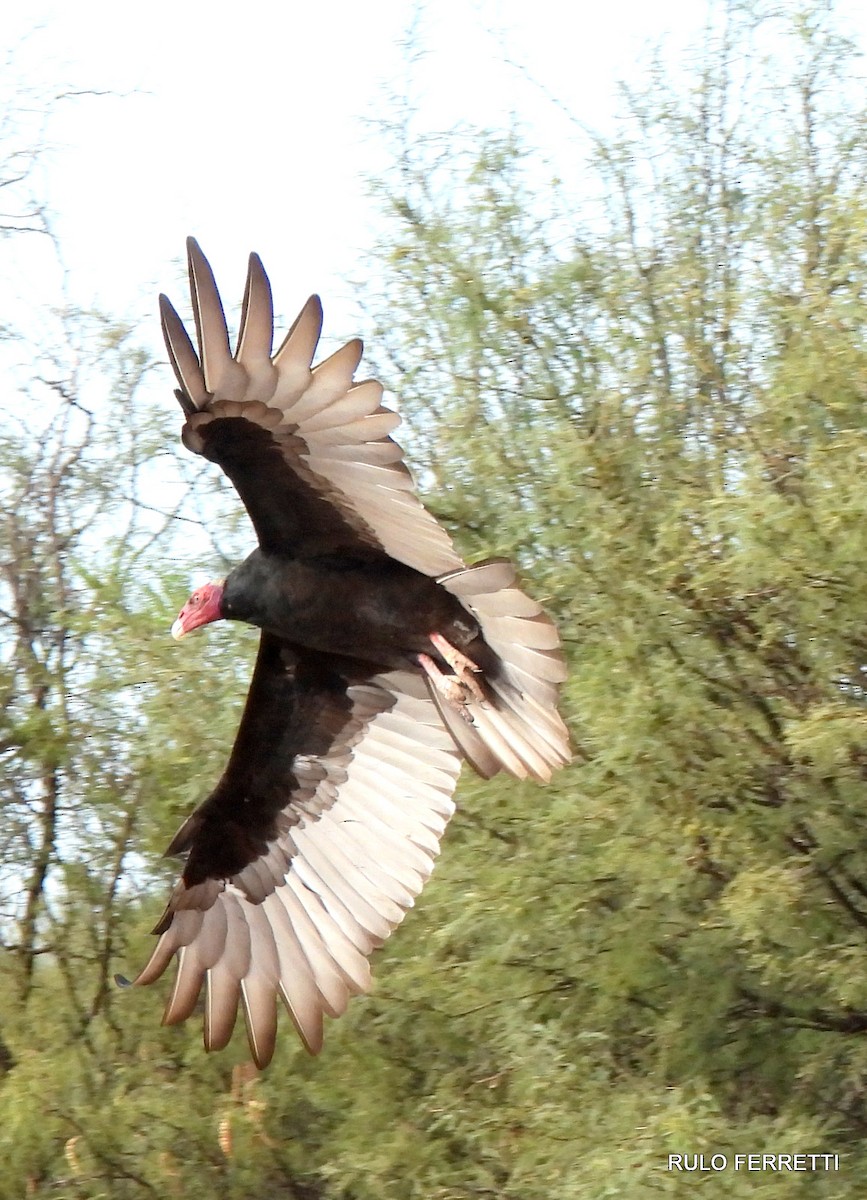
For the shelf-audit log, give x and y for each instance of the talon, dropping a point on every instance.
(464, 668)
(456, 659)
(460, 687)
(449, 686)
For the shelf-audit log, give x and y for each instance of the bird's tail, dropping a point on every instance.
(515, 726)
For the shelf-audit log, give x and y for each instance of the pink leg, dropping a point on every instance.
(458, 687)
(462, 666)
(448, 686)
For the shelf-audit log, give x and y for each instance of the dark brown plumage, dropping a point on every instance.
(383, 659)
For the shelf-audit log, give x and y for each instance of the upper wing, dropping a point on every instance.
(315, 842)
(308, 450)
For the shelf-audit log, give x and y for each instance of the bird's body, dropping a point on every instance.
(383, 661)
(370, 608)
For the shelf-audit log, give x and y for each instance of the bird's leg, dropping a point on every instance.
(448, 686)
(465, 669)
(459, 687)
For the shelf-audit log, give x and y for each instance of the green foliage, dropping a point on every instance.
(655, 402)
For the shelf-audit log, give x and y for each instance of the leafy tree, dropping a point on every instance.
(655, 403)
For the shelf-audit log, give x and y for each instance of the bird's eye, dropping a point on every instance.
(195, 598)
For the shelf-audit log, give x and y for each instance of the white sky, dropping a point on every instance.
(245, 124)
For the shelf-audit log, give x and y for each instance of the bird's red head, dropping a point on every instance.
(201, 608)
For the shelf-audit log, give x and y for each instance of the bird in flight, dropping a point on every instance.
(384, 660)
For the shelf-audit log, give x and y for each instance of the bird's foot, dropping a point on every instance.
(458, 688)
(464, 668)
(448, 686)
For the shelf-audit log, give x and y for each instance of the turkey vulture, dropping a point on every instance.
(383, 661)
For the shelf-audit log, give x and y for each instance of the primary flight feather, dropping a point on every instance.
(383, 661)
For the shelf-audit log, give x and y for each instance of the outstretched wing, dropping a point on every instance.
(307, 449)
(315, 842)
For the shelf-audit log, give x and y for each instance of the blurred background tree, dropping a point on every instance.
(651, 397)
